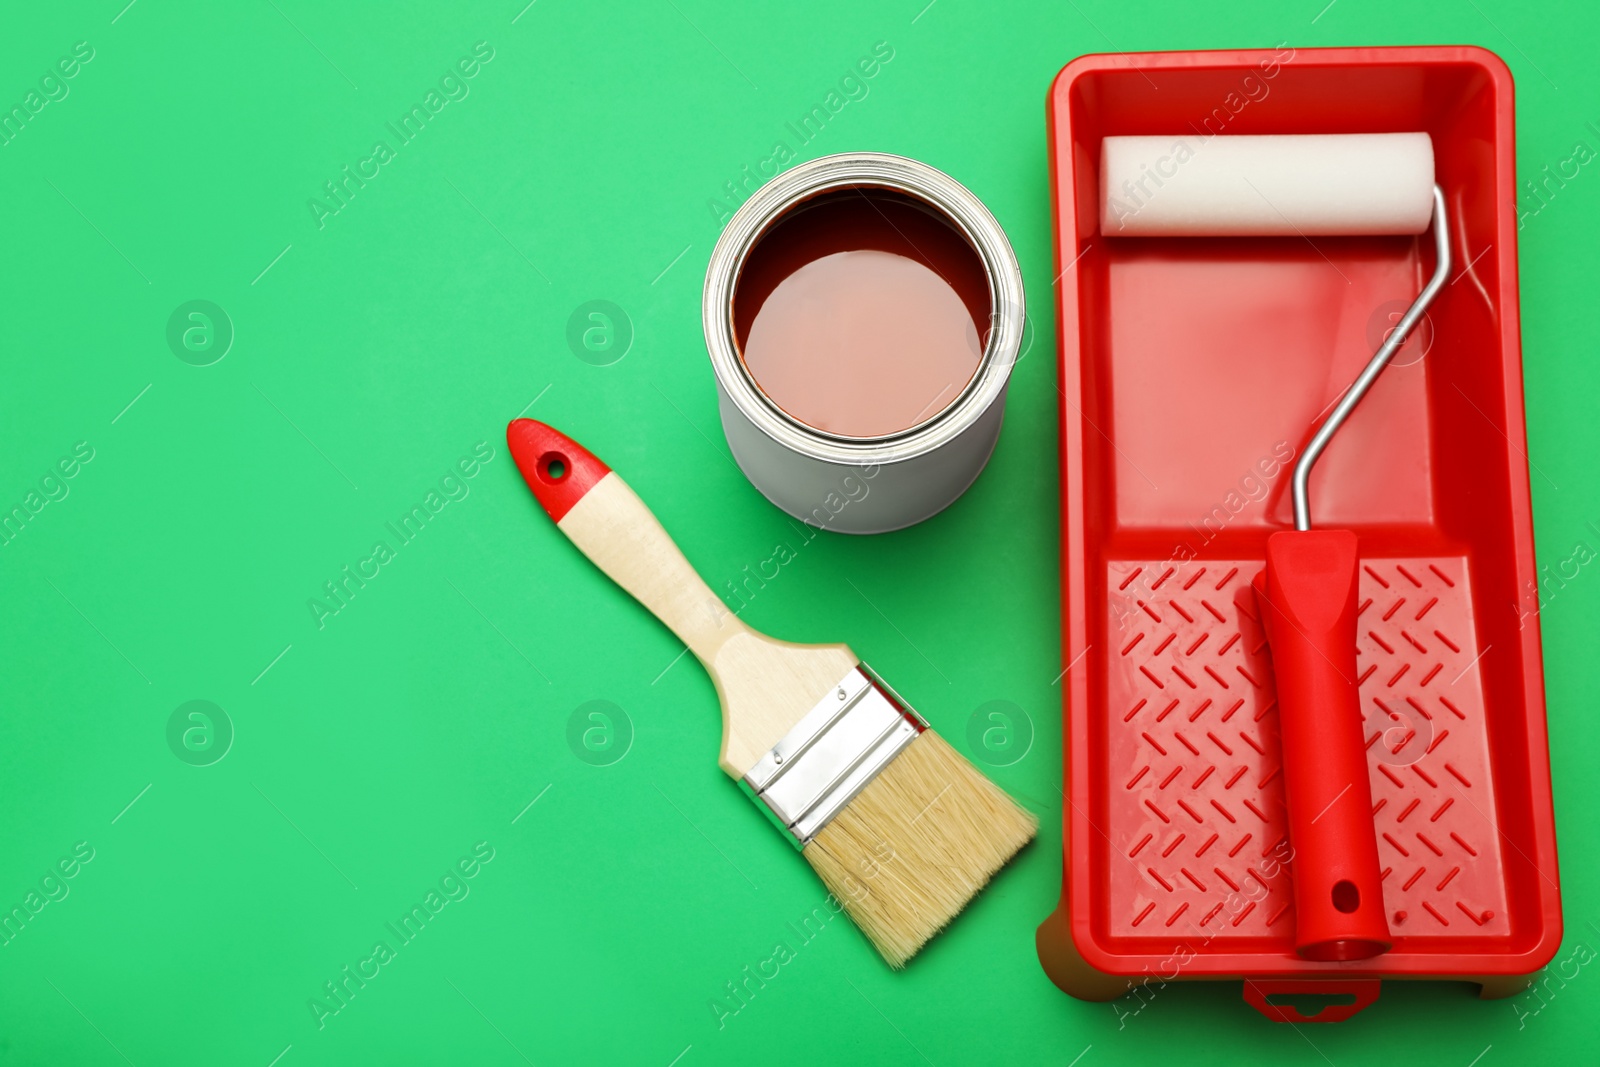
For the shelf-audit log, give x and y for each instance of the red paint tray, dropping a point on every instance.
(1190, 373)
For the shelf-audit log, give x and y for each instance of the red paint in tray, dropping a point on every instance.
(1192, 373)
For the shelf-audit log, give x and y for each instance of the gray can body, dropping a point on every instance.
(853, 484)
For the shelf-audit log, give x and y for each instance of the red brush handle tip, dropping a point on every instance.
(558, 469)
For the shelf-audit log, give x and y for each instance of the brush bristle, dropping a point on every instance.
(915, 845)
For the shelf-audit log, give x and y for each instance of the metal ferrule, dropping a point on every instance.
(831, 755)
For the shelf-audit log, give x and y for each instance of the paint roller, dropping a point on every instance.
(1302, 186)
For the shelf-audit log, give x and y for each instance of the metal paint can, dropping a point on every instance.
(864, 484)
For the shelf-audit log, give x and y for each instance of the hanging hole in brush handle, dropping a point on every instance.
(1307, 595)
(558, 469)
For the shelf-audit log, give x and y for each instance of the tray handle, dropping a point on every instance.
(1256, 993)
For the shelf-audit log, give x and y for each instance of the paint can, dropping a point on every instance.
(861, 474)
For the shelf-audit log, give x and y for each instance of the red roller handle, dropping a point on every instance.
(1308, 598)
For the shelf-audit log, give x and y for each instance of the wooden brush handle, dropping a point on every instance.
(594, 507)
(765, 685)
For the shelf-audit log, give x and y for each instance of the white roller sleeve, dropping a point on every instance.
(1306, 184)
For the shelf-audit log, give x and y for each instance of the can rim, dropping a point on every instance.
(898, 174)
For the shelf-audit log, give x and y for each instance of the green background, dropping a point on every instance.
(371, 353)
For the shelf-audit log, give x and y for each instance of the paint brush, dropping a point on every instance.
(901, 828)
